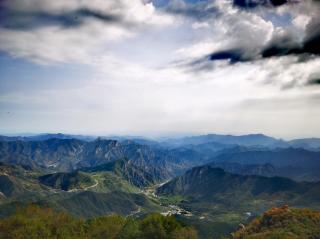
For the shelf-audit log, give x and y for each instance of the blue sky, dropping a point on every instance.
(159, 67)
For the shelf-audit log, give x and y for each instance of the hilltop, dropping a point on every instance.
(282, 223)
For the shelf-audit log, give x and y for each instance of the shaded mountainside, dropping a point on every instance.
(15, 170)
(55, 154)
(278, 158)
(116, 175)
(66, 155)
(103, 178)
(213, 185)
(15, 181)
(63, 155)
(125, 169)
(71, 154)
(91, 204)
(266, 170)
(87, 204)
(297, 164)
(67, 181)
(84, 194)
(219, 200)
(284, 222)
(10, 187)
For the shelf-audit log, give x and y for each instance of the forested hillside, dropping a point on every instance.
(34, 222)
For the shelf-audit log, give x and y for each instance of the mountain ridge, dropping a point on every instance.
(214, 185)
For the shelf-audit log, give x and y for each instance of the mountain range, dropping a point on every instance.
(208, 184)
(212, 182)
(219, 200)
(243, 140)
(250, 140)
(298, 164)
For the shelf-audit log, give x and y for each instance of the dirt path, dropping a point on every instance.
(151, 192)
(86, 188)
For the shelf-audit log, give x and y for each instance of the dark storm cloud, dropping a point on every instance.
(288, 46)
(312, 39)
(282, 46)
(232, 55)
(13, 19)
(276, 49)
(313, 82)
(249, 4)
(278, 46)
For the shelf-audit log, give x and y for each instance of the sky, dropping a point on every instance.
(160, 67)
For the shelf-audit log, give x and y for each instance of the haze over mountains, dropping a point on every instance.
(218, 178)
(164, 159)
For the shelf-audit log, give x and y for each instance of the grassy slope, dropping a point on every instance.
(67, 181)
(81, 194)
(91, 204)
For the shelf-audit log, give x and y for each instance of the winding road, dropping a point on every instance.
(84, 189)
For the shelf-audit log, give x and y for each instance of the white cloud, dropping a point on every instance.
(148, 92)
(287, 72)
(56, 44)
(50, 44)
(199, 25)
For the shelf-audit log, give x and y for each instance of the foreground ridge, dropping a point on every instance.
(282, 222)
(34, 222)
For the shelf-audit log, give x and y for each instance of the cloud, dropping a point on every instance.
(56, 44)
(233, 56)
(249, 4)
(287, 73)
(289, 45)
(179, 68)
(287, 54)
(279, 45)
(237, 37)
(58, 31)
(30, 20)
(287, 40)
(312, 39)
(314, 82)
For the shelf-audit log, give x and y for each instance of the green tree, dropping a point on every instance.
(105, 227)
(130, 230)
(35, 222)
